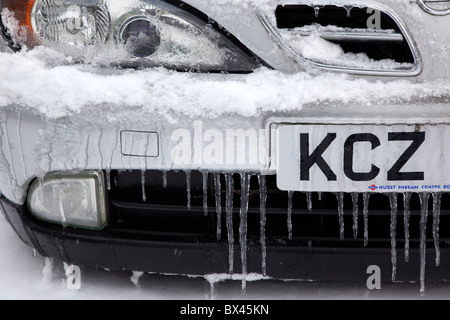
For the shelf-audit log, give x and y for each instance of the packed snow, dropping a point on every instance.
(74, 89)
(313, 47)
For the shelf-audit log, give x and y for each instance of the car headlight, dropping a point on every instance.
(141, 33)
(76, 199)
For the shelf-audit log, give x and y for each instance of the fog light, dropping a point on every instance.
(76, 200)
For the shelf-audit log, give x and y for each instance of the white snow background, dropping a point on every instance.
(25, 275)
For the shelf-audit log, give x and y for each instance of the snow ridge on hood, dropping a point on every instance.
(44, 82)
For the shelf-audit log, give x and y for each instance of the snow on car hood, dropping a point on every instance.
(44, 82)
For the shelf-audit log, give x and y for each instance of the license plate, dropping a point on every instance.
(364, 158)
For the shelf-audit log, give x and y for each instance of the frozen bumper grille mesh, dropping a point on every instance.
(197, 206)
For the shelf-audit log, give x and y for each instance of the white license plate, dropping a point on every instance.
(364, 158)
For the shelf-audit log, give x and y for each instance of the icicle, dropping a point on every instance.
(108, 178)
(348, 9)
(41, 189)
(212, 290)
(355, 214)
(309, 201)
(262, 209)
(245, 187)
(316, 11)
(218, 188)
(110, 165)
(319, 194)
(289, 215)
(423, 238)
(136, 275)
(47, 270)
(88, 143)
(205, 192)
(436, 218)
(366, 197)
(99, 146)
(393, 230)
(164, 173)
(19, 140)
(406, 216)
(144, 197)
(188, 189)
(340, 198)
(12, 171)
(229, 217)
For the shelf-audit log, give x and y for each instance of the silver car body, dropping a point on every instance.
(99, 135)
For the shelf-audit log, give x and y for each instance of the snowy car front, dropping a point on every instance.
(228, 137)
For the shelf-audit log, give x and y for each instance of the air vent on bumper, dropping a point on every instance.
(346, 38)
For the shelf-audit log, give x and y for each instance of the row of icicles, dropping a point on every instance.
(245, 189)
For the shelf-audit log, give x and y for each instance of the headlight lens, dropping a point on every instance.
(70, 23)
(76, 200)
(140, 36)
(127, 33)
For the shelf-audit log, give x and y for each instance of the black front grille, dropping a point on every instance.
(293, 16)
(169, 214)
(297, 16)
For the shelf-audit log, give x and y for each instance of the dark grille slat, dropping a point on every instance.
(293, 16)
(165, 213)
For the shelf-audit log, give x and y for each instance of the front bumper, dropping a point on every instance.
(34, 145)
(122, 248)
